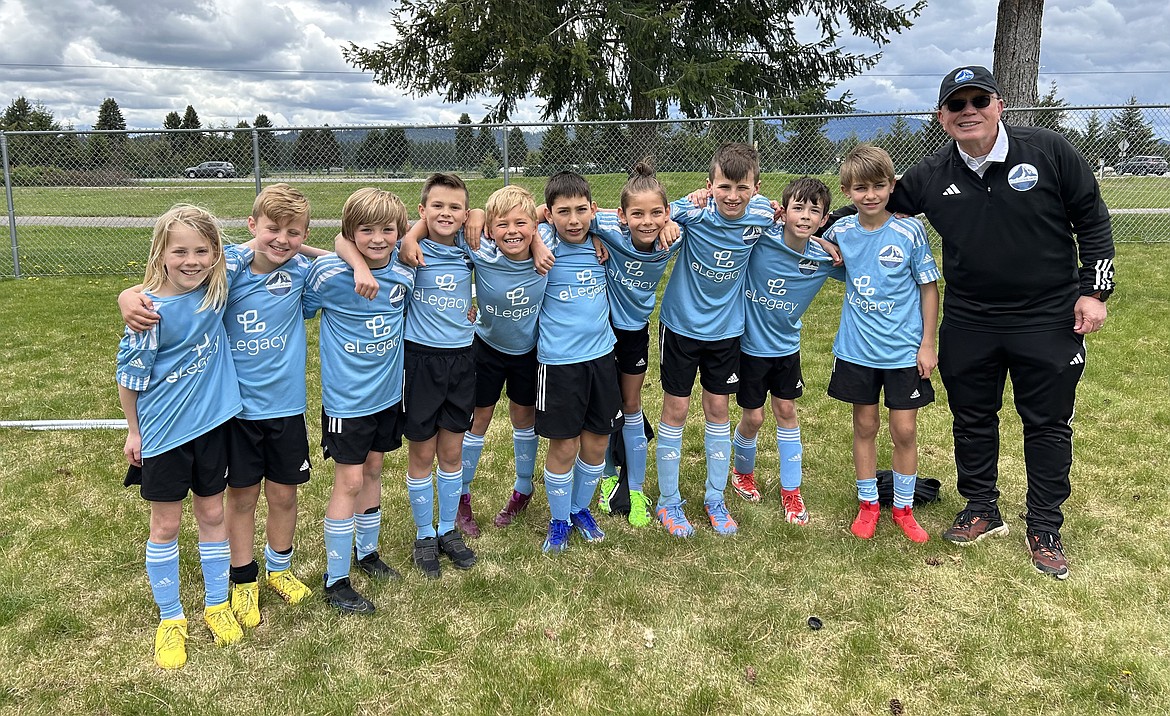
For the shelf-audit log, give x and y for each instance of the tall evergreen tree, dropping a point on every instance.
(517, 147)
(1130, 125)
(623, 59)
(554, 150)
(465, 147)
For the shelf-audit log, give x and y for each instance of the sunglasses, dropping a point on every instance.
(982, 101)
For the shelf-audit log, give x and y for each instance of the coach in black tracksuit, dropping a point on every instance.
(1007, 202)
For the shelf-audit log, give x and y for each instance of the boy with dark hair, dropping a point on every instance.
(701, 320)
(578, 398)
(886, 340)
(784, 274)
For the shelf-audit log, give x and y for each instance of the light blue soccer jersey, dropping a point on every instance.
(266, 334)
(704, 296)
(441, 297)
(182, 372)
(881, 318)
(780, 285)
(574, 317)
(508, 295)
(360, 340)
(632, 276)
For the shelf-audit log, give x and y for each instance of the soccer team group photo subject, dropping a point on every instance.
(546, 303)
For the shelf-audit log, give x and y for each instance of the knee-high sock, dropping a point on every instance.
(338, 546)
(472, 448)
(558, 488)
(162, 569)
(450, 486)
(216, 560)
(367, 526)
(524, 444)
(634, 437)
(745, 453)
(585, 479)
(717, 440)
(667, 456)
(421, 491)
(790, 452)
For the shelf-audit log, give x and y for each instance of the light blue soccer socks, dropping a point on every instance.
(904, 489)
(585, 480)
(634, 437)
(524, 445)
(745, 453)
(667, 456)
(277, 561)
(162, 569)
(421, 491)
(867, 490)
(472, 449)
(449, 486)
(216, 560)
(790, 452)
(367, 526)
(559, 490)
(717, 441)
(338, 549)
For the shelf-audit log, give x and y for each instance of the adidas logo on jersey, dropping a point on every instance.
(951, 190)
(1077, 359)
(915, 394)
(137, 363)
(304, 465)
(733, 379)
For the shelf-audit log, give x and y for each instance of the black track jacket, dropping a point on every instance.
(1010, 260)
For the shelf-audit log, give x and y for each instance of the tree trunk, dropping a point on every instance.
(1017, 55)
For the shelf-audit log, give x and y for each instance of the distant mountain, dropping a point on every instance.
(866, 126)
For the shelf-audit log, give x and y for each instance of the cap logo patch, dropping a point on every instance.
(1023, 177)
(963, 75)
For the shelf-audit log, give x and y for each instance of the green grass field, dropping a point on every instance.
(641, 623)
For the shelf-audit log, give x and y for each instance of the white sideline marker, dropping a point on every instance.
(65, 424)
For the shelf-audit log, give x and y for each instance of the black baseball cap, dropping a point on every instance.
(963, 77)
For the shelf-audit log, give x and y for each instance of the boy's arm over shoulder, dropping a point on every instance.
(364, 283)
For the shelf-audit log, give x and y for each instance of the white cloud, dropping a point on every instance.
(284, 59)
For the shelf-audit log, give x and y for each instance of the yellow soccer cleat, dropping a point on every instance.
(290, 589)
(222, 623)
(170, 643)
(245, 601)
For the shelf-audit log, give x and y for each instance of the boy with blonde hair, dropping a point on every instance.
(886, 340)
(509, 294)
(361, 385)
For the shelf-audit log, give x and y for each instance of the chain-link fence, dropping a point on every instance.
(83, 202)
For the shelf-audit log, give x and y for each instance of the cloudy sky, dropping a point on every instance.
(232, 59)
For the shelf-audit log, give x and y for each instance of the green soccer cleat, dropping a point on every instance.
(608, 487)
(640, 509)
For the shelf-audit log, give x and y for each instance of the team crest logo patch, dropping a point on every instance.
(279, 283)
(891, 256)
(963, 75)
(807, 267)
(751, 233)
(397, 295)
(1023, 177)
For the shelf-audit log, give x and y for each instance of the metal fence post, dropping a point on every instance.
(507, 163)
(256, 158)
(751, 133)
(11, 208)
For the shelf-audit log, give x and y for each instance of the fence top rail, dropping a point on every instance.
(508, 125)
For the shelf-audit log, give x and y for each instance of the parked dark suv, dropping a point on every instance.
(219, 170)
(1143, 165)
